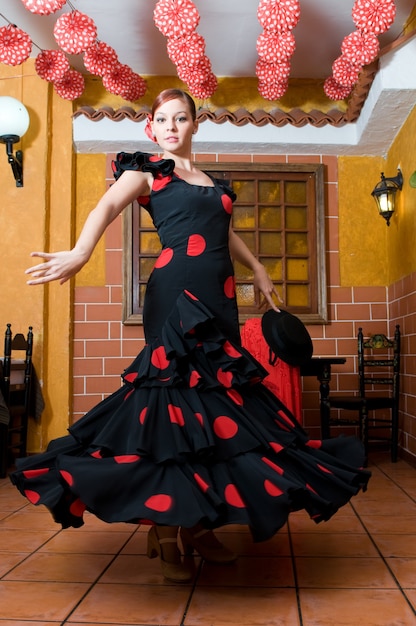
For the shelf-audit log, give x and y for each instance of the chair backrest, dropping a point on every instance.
(379, 362)
(21, 367)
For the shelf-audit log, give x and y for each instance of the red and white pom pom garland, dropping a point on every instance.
(43, 7)
(51, 65)
(15, 45)
(75, 32)
(275, 45)
(177, 20)
(71, 86)
(361, 47)
(100, 58)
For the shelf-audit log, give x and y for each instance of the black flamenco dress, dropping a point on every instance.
(192, 435)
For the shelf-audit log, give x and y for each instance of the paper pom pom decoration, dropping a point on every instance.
(272, 72)
(373, 16)
(43, 7)
(360, 48)
(334, 90)
(100, 58)
(51, 65)
(272, 90)
(278, 15)
(276, 47)
(135, 89)
(71, 86)
(204, 89)
(176, 18)
(186, 50)
(344, 72)
(15, 45)
(74, 32)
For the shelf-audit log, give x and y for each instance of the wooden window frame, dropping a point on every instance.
(132, 314)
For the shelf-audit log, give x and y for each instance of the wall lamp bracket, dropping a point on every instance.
(384, 193)
(16, 159)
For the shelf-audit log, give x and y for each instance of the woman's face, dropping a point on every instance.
(173, 126)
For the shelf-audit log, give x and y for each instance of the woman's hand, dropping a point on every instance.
(57, 266)
(263, 284)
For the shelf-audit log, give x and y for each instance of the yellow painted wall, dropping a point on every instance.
(370, 252)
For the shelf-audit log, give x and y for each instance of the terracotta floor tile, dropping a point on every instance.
(249, 572)
(39, 600)
(139, 570)
(300, 522)
(405, 571)
(343, 573)
(8, 560)
(391, 524)
(23, 540)
(60, 567)
(133, 604)
(13, 622)
(243, 544)
(402, 506)
(396, 545)
(137, 544)
(349, 607)
(30, 518)
(411, 596)
(83, 542)
(218, 606)
(329, 544)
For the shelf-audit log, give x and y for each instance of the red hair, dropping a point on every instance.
(174, 94)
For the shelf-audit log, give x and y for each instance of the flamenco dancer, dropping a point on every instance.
(192, 440)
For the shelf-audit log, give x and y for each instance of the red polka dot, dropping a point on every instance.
(286, 418)
(199, 418)
(230, 350)
(159, 359)
(67, 477)
(227, 203)
(271, 489)
(194, 378)
(126, 458)
(235, 397)
(282, 426)
(324, 469)
(35, 473)
(142, 415)
(143, 200)
(130, 377)
(201, 482)
(273, 465)
(128, 394)
(311, 489)
(160, 183)
(229, 287)
(276, 446)
(32, 496)
(196, 245)
(314, 443)
(225, 427)
(97, 454)
(233, 497)
(160, 502)
(77, 508)
(224, 378)
(164, 258)
(176, 415)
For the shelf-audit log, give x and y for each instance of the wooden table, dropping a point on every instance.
(321, 368)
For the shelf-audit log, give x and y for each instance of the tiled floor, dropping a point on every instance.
(357, 569)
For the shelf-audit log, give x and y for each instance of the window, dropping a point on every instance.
(279, 213)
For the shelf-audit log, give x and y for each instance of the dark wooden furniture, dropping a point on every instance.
(15, 385)
(377, 393)
(320, 367)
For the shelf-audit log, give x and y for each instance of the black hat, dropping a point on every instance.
(286, 337)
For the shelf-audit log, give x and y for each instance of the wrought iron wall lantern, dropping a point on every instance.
(14, 122)
(384, 193)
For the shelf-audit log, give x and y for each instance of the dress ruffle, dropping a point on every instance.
(142, 161)
(192, 436)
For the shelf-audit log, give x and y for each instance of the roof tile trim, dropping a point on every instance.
(259, 117)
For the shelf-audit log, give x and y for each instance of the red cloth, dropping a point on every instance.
(283, 379)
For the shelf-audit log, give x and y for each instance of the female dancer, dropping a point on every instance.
(193, 439)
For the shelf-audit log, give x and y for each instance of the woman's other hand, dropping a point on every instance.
(57, 266)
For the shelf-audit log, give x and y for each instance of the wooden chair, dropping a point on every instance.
(376, 403)
(15, 386)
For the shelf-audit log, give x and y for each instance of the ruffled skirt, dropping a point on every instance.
(192, 436)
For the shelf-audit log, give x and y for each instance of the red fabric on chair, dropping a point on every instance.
(283, 379)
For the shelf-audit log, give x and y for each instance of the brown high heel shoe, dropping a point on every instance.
(170, 558)
(207, 545)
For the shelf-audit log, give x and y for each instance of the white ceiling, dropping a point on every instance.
(230, 29)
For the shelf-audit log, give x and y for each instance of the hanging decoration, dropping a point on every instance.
(100, 58)
(71, 86)
(275, 45)
(122, 81)
(177, 20)
(74, 32)
(43, 7)
(52, 65)
(361, 47)
(15, 45)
